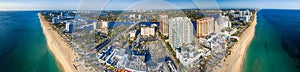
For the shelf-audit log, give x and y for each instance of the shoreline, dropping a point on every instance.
(254, 23)
(235, 61)
(58, 47)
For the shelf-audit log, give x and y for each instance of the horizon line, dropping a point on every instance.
(142, 9)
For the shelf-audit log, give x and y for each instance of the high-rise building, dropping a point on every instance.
(61, 13)
(96, 25)
(245, 16)
(101, 26)
(59, 17)
(181, 38)
(55, 20)
(164, 25)
(147, 31)
(199, 28)
(144, 31)
(180, 32)
(69, 27)
(221, 23)
(151, 31)
(139, 16)
(205, 26)
(211, 24)
(104, 25)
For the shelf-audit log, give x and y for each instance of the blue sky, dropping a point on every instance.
(147, 4)
(269, 4)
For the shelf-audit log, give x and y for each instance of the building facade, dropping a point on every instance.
(96, 25)
(180, 32)
(221, 23)
(101, 26)
(164, 25)
(147, 31)
(55, 20)
(69, 27)
(205, 26)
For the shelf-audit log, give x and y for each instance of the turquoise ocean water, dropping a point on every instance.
(23, 47)
(276, 45)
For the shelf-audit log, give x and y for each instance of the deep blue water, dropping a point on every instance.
(23, 47)
(276, 45)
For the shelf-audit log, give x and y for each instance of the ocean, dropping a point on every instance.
(23, 47)
(276, 44)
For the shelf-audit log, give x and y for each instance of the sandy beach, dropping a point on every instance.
(59, 48)
(234, 62)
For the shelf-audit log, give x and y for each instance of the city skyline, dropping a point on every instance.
(144, 4)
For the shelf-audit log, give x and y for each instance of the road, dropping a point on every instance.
(170, 54)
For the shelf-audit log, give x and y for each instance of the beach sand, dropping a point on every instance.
(234, 62)
(59, 48)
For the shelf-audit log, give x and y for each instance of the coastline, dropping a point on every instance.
(58, 47)
(235, 61)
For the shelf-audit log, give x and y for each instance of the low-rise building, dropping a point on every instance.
(189, 55)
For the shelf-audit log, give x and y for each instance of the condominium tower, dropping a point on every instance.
(164, 25)
(180, 32)
(205, 26)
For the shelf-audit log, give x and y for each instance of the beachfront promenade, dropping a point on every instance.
(59, 48)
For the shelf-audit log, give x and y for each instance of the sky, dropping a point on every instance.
(145, 4)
